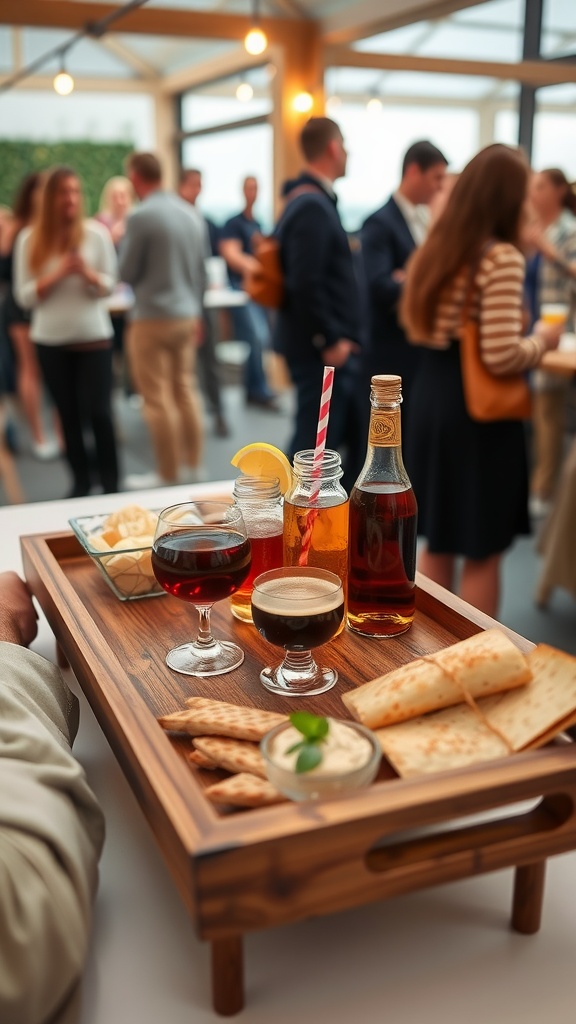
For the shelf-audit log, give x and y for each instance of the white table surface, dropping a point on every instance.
(122, 300)
(440, 956)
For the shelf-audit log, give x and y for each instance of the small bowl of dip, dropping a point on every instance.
(351, 757)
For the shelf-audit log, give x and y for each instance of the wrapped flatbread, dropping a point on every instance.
(484, 664)
(496, 726)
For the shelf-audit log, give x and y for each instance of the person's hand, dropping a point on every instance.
(337, 354)
(18, 618)
(70, 263)
(549, 333)
(399, 275)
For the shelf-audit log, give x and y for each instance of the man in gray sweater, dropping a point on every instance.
(162, 258)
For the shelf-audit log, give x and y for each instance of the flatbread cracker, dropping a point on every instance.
(546, 706)
(244, 790)
(485, 663)
(200, 760)
(442, 741)
(216, 718)
(233, 755)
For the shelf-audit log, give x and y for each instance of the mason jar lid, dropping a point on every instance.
(256, 488)
(331, 466)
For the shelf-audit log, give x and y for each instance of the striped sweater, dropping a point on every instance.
(497, 305)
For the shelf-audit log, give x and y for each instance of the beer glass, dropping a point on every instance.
(298, 609)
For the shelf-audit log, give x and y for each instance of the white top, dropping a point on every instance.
(73, 311)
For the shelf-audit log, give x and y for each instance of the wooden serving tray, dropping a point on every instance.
(253, 869)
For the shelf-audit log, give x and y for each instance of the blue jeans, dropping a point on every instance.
(251, 325)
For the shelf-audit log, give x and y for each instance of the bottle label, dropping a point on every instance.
(384, 429)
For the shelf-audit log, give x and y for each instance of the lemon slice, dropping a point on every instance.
(262, 459)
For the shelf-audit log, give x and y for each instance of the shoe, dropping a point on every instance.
(269, 404)
(45, 451)
(143, 481)
(221, 428)
(538, 507)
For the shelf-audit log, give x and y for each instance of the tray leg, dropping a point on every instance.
(227, 975)
(528, 897)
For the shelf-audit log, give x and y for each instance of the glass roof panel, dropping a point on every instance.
(560, 15)
(399, 40)
(170, 53)
(504, 13)
(468, 42)
(85, 58)
(561, 94)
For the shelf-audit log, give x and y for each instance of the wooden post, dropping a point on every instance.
(299, 68)
(227, 975)
(528, 897)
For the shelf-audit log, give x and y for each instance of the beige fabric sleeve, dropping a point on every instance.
(51, 835)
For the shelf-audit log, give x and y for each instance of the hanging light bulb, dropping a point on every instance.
(63, 82)
(255, 41)
(303, 102)
(374, 105)
(244, 92)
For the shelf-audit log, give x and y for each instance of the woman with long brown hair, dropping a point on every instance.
(64, 267)
(470, 478)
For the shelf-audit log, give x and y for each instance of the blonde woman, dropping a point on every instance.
(64, 268)
(116, 202)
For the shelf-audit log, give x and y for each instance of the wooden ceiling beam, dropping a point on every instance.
(529, 72)
(159, 21)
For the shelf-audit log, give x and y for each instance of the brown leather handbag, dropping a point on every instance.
(488, 397)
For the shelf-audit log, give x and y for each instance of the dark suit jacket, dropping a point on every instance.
(321, 301)
(386, 245)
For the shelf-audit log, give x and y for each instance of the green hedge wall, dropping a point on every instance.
(94, 163)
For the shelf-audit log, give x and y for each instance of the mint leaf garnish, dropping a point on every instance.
(314, 729)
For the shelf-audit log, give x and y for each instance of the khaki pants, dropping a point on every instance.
(549, 425)
(162, 357)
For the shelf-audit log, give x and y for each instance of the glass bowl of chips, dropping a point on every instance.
(120, 545)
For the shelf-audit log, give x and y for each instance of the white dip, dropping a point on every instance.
(343, 750)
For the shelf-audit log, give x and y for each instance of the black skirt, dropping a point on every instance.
(470, 479)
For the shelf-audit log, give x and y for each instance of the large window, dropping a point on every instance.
(225, 159)
(228, 137)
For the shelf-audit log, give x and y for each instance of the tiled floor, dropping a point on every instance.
(45, 481)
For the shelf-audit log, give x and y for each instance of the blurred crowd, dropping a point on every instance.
(119, 300)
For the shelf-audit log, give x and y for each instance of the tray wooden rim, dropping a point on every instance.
(48, 549)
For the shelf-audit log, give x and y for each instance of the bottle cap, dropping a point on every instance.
(387, 388)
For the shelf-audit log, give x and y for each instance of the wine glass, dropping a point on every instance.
(201, 554)
(298, 608)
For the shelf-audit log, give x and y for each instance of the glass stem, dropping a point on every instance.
(300, 662)
(205, 638)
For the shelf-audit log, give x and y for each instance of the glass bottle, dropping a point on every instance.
(261, 503)
(316, 515)
(383, 522)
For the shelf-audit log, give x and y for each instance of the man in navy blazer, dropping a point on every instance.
(388, 237)
(319, 323)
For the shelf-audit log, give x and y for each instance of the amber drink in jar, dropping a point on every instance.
(261, 503)
(316, 516)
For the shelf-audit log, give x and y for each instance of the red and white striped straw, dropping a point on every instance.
(318, 457)
(323, 417)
